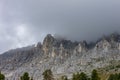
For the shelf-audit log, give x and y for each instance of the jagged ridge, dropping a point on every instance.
(62, 56)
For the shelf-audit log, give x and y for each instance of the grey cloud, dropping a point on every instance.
(73, 19)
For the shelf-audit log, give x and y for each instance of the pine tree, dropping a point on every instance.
(83, 76)
(94, 75)
(47, 75)
(119, 76)
(2, 77)
(25, 76)
(114, 77)
(80, 76)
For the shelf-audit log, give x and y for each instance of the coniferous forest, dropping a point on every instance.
(48, 75)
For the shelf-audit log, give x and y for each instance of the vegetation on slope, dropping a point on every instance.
(95, 75)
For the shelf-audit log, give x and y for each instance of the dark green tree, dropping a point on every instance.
(83, 76)
(80, 76)
(114, 77)
(47, 75)
(2, 77)
(74, 76)
(111, 77)
(94, 75)
(119, 76)
(25, 76)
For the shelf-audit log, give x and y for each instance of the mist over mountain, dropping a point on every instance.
(63, 57)
(27, 22)
(65, 36)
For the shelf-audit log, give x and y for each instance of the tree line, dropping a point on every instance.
(48, 75)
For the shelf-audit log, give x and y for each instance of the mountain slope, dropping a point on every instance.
(61, 56)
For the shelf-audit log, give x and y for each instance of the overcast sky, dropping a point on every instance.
(25, 22)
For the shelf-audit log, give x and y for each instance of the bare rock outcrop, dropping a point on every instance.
(61, 56)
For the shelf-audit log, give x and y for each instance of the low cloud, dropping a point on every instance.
(26, 22)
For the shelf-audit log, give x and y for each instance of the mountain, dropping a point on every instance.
(63, 57)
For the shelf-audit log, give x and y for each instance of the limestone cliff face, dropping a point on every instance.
(82, 47)
(103, 44)
(61, 56)
(53, 52)
(119, 46)
(48, 43)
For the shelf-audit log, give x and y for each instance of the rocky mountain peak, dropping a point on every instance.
(61, 56)
(82, 46)
(49, 39)
(38, 45)
(103, 44)
(48, 43)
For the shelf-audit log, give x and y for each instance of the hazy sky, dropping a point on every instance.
(24, 22)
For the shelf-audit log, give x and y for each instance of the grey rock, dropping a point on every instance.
(63, 57)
